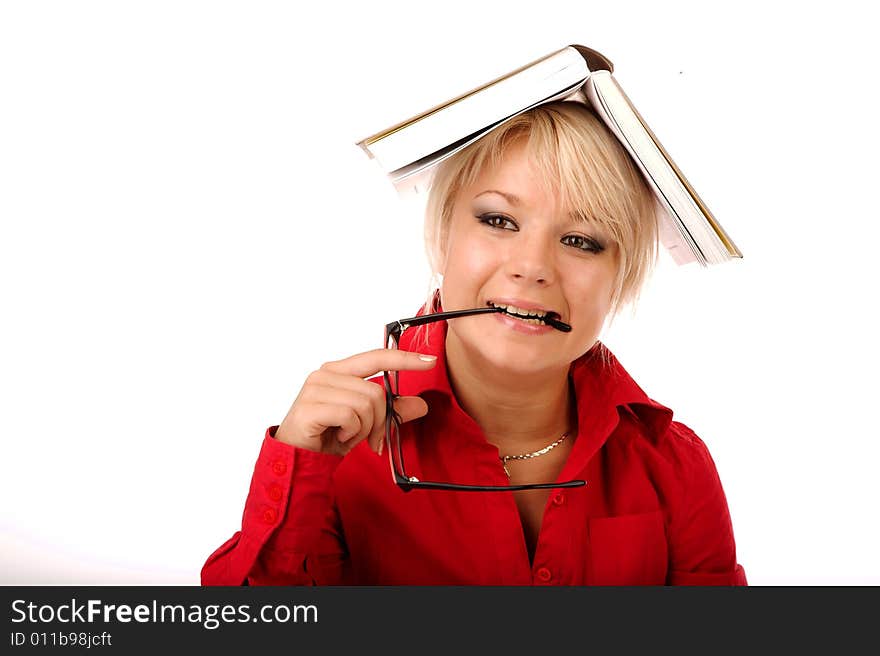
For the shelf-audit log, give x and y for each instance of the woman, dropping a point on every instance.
(521, 451)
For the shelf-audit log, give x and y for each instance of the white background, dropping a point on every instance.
(188, 229)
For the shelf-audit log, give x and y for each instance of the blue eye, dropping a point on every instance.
(585, 244)
(496, 221)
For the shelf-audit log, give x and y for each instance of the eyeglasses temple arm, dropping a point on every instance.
(402, 324)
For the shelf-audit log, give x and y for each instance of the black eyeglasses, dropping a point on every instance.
(393, 331)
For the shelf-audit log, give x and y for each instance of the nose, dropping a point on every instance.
(531, 259)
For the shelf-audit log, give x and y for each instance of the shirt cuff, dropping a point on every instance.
(286, 476)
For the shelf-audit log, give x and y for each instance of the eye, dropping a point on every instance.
(582, 243)
(496, 221)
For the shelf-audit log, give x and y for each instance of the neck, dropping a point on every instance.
(517, 413)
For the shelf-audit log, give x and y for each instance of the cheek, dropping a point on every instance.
(468, 268)
(595, 293)
(470, 261)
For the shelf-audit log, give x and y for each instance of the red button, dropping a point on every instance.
(269, 516)
(544, 574)
(279, 467)
(559, 498)
(275, 492)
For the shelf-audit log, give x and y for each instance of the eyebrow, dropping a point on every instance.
(515, 200)
(510, 198)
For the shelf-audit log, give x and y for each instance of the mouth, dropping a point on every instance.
(538, 317)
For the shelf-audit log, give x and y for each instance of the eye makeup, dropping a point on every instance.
(586, 243)
(583, 243)
(496, 220)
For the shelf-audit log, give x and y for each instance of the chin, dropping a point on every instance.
(518, 358)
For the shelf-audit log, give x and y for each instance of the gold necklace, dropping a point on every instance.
(533, 454)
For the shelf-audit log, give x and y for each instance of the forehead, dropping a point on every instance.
(514, 179)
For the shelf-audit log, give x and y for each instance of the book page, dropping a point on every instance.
(400, 177)
(678, 235)
(477, 112)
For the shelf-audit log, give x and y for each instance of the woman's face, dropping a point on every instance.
(511, 243)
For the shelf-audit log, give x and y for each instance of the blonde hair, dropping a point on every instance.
(576, 157)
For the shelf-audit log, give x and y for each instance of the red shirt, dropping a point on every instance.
(653, 511)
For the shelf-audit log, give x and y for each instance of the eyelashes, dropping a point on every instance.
(582, 243)
(586, 244)
(495, 220)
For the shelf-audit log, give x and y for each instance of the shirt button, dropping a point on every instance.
(275, 492)
(269, 515)
(559, 498)
(544, 574)
(279, 467)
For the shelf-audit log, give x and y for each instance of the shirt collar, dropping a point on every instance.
(603, 387)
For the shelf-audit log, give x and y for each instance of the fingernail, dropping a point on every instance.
(427, 358)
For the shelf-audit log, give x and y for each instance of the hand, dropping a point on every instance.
(336, 408)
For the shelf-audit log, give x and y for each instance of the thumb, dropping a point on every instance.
(410, 407)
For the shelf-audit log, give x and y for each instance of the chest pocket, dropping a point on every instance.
(628, 550)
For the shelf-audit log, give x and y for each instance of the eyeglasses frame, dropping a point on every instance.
(406, 483)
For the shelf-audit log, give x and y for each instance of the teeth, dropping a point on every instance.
(512, 309)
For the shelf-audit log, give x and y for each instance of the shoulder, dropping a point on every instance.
(645, 425)
(689, 455)
(684, 445)
(666, 445)
(669, 436)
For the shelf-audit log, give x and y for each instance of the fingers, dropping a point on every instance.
(369, 411)
(371, 393)
(324, 422)
(370, 363)
(407, 408)
(336, 408)
(410, 407)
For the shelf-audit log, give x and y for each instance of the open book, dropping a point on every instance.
(408, 151)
